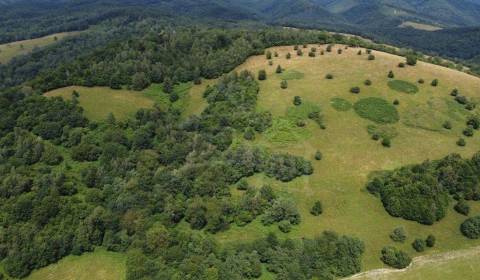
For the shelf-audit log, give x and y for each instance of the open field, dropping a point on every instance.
(10, 50)
(420, 26)
(349, 153)
(99, 265)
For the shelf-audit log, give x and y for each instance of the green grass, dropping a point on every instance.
(350, 155)
(376, 109)
(99, 265)
(291, 75)
(341, 104)
(10, 50)
(284, 131)
(403, 86)
(302, 111)
(384, 131)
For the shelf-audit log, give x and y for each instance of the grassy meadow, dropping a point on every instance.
(98, 265)
(10, 50)
(349, 153)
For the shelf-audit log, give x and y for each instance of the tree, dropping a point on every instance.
(140, 81)
(462, 207)
(329, 48)
(262, 75)
(299, 52)
(391, 75)
(461, 142)
(285, 226)
(329, 76)
(316, 208)
(368, 82)
(398, 235)
(419, 245)
(421, 81)
(167, 85)
(371, 57)
(355, 90)
(359, 52)
(284, 84)
(268, 55)
(396, 102)
(471, 227)
(401, 65)
(434, 82)
(411, 60)
(289, 55)
(395, 257)
(339, 51)
(430, 241)
(312, 54)
(297, 100)
(279, 69)
(386, 142)
(318, 155)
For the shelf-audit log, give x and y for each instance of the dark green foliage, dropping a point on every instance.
(447, 125)
(401, 65)
(279, 69)
(396, 102)
(367, 82)
(462, 207)
(284, 84)
(411, 60)
(285, 226)
(242, 185)
(355, 90)
(312, 54)
(395, 257)
(454, 92)
(461, 142)
(268, 55)
(299, 52)
(371, 57)
(386, 142)
(297, 101)
(339, 51)
(471, 227)
(316, 208)
(281, 210)
(288, 56)
(434, 82)
(318, 155)
(391, 75)
(421, 81)
(468, 132)
(262, 75)
(419, 245)
(285, 167)
(329, 76)
(375, 137)
(430, 241)
(399, 235)
(249, 134)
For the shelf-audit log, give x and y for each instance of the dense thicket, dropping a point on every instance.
(421, 192)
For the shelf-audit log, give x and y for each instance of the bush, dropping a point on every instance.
(295, 48)
(262, 75)
(270, 63)
(375, 137)
(401, 65)
(279, 69)
(316, 208)
(371, 57)
(297, 101)
(318, 155)
(470, 106)
(454, 92)
(468, 132)
(268, 54)
(359, 52)
(386, 142)
(339, 51)
(434, 83)
(329, 48)
(355, 90)
(285, 226)
(369, 51)
(367, 83)
(398, 235)
(471, 227)
(300, 123)
(299, 52)
(313, 49)
(312, 54)
(242, 185)
(305, 46)
(411, 60)
(419, 245)
(462, 207)
(447, 125)
(288, 56)
(421, 81)
(284, 84)
(275, 54)
(391, 75)
(395, 258)
(396, 102)
(282, 210)
(430, 241)
(329, 76)
(461, 142)
(249, 134)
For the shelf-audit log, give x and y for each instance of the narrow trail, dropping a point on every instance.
(417, 262)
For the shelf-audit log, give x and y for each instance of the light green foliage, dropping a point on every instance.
(341, 104)
(377, 110)
(403, 86)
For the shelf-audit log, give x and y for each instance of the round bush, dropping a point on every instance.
(262, 75)
(371, 57)
(430, 241)
(447, 125)
(399, 235)
(297, 101)
(376, 109)
(355, 90)
(386, 142)
(421, 81)
(419, 245)
(285, 226)
(284, 84)
(318, 155)
(396, 102)
(329, 76)
(434, 83)
(391, 75)
(462, 207)
(316, 208)
(461, 142)
(401, 65)
(395, 257)
(471, 227)
(368, 82)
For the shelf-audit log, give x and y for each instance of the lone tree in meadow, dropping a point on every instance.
(401, 65)
(262, 75)
(295, 47)
(288, 56)
(279, 69)
(318, 155)
(391, 75)
(434, 83)
(368, 82)
(411, 60)
(317, 208)
(398, 235)
(430, 241)
(359, 52)
(419, 245)
(329, 76)
(355, 90)
(297, 101)
(269, 55)
(284, 84)
(421, 81)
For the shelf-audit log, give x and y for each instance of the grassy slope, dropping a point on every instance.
(99, 265)
(10, 50)
(349, 153)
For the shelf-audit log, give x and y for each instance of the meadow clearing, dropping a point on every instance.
(10, 50)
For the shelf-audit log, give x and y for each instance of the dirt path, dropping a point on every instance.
(417, 263)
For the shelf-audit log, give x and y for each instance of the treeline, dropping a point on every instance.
(69, 185)
(421, 192)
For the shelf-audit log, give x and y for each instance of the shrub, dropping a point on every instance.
(430, 241)
(313, 49)
(359, 52)
(316, 208)
(322, 52)
(367, 83)
(339, 51)
(375, 137)
(270, 63)
(411, 60)
(369, 51)
(468, 132)
(282, 210)
(386, 142)
(391, 75)
(401, 65)
(297, 101)
(288, 56)
(275, 54)
(434, 83)
(279, 69)
(470, 106)
(329, 48)
(285, 226)
(471, 227)
(395, 258)
(318, 155)
(242, 185)
(371, 57)
(329, 76)
(421, 81)
(355, 90)
(268, 55)
(396, 102)
(398, 235)
(419, 245)
(299, 52)
(295, 48)
(474, 122)
(454, 92)
(300, 123)
(461, 99)
(461, 142)
(249, 134)
(312, 54)
(284, 84)
(262, 75)
(447, 125)
(462, 207)
(305, 46)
